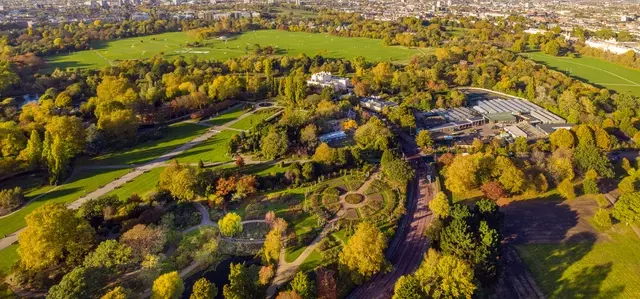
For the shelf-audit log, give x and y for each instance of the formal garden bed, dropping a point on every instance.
(354, 198)
(254, 230)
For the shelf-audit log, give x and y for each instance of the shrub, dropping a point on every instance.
(10, 199)
(602, 218)
(354, 198)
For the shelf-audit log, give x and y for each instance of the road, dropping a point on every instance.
(409, 244)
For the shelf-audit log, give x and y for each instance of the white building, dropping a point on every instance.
(610, 45)
(376, 104)
(326, 79)
(535, 31)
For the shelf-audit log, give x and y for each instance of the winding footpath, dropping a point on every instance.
(7, 240)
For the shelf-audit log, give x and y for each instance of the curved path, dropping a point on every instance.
(6, 241)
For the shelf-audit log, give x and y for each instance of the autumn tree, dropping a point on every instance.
(566, 189)
(439, 277)
(167, 286)
(203, 289)
(32, 154)
(273, 242)
(424, 140)
(117, 293)
(364, 251)
(326, 284)
(81, 283)
(562, 138)
(110, 255)
(179, 180)
(439, 205)
(302, 285)
(144, 240)
(242, 283)
(53, 234)
(493, 190)
(230, 225)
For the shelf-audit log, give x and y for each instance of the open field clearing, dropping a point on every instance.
(212, 150)
(173, 44)
(176, 135)
(140, 185)
(594, 71)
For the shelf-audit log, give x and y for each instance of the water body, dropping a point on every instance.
(27, 98)
(219, 276)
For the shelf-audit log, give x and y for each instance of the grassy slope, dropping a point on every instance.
(177, 135)
(587, 270)
(252, 120)
(141, 185)
(226, 117)
(594, 71)
(212, 150)
(172, 44)
(8, 257)
(81, 182)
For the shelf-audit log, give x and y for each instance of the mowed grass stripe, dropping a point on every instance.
(173, 44)
(81, 182)
(176, 135)
(227, 116)
(141, 185)
(593, 70)
(254, 119)
(211, 150)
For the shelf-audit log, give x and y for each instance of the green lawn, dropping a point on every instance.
(82, 182)
(594, 71)
(176, 135)
(8, 257)
(141, 185)
(252, 120)
(32, 185)
(313, 260)
(173, 44)
(608, 269)
(213, 149)
(227, 116)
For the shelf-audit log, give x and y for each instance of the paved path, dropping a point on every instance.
(363, 188)
(286, 271)
(137, 171)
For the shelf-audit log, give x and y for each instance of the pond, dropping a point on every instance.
(219, 276)
(27, 98)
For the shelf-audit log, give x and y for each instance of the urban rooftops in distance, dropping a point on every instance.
(326, 79)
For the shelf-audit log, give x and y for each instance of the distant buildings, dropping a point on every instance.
(326, 79)
(611, 45)
(376, 104)
(140, 16)
(535, 31)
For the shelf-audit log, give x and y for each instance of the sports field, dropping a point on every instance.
(595, 71)
(173, 44)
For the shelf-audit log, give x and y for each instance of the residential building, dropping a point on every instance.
(326, 79)
(376, 104)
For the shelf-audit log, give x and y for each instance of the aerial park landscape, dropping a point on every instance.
(308, 153)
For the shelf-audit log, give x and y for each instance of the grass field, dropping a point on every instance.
(252, 120)
(81, 182)
(586, 269)
(141, 185)
(173, 44)
(8, 257)
(213, 149)
(177, 134)
(595, 71)
(227, 116)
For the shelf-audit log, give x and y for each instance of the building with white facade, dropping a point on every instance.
(326, 79)
(535, 31)
(611, 45)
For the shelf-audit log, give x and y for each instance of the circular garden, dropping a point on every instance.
(354, 198)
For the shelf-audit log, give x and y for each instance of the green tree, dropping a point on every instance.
(364, 251)
(445, 276)
(179, 180)
(627, 208)
(242, 283)
(590, 186)
(12, 140)
(408, 287)
(63, 100)
(167, 286)
(54, 234)
(302, 285)
(110, 255)
(80, 283)
(602, 218)
(203, 289)
(629, 184)
(439, 205)
(588, 157)
(552, 48)
(274, 144)
(230, 225)
(566, 189)
(32, 154)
